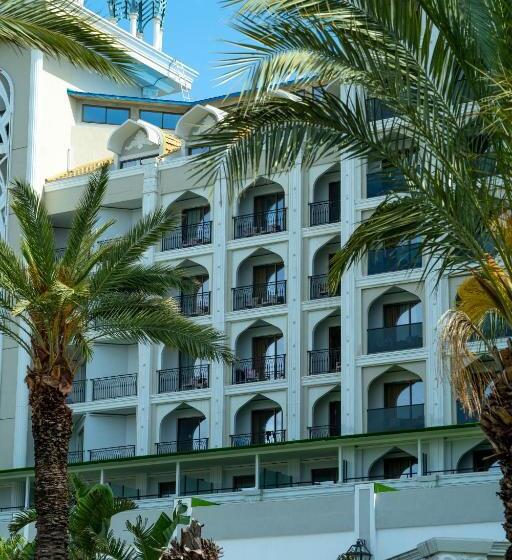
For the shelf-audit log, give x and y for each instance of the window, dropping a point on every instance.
(135, 162)
(104, 115)
(160, 119)
(324, 475)
(400, 467)
(166, 489)
(396, 314)
(406, 393)
(196, 150)
(244, 481)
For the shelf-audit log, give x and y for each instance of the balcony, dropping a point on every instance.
(183, 379)
(185, 446)
(393, 259)
(325, 212)
(319, 287)
(114, 387)
(400, 337)
(409, 417)
(262, 223)
(324, 361)
(377, 110)
(75, 457)
(259, 295)
(318, 432)
(383, 182)
(108, 453)
(259, 438)
(194, 305)
(188, 236)
(464, 417)
(266, 368)
(77, 394)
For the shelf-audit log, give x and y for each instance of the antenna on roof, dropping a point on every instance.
(140, 13)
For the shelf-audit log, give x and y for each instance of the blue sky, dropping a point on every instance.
(195, 31)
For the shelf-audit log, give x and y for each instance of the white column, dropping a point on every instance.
(221, 220)
(133, 23)
(435, 304)
(146, 351)
(257, 472)
(21, 415)
(178, 477)
(157, 33)
(294, 297)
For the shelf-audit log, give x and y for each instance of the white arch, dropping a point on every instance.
(191, 122)
(119, 137)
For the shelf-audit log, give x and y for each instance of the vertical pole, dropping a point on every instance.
(102, 476)
(257, 472)
(178, 477)
(420, 458)
(340, 464)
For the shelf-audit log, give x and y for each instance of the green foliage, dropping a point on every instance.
(93, 290)
(61, 29)
(16, 548)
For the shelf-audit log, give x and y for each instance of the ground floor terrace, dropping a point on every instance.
(312, 498)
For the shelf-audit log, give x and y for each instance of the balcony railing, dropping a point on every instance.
(393, 259)
(258, 438)
(59, 253)
(183, 379)
(319, 287)
(464, 417)
(114, 387)
(265, 368)
(75, 457)
(324, 361)
(325, 212)
(188, 236)
(107, 453)
(382, 182)
(316, 432)
(77, 394)
(396, 418)
(259, 295)
(185, 446)
(193, 305)
(262, 223)
(401, 337)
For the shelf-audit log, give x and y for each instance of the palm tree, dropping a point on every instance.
(61, 29)
(56, 306)
(91, 512)
(442, 70)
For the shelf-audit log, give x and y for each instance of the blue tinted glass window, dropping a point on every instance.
(152, 117)
(117, 116)
(196, 150)
(170, 120)
(93, 114)
(104, 115)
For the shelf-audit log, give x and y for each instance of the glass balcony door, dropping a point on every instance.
(266, 424)
(189, 429)
(269, 212)
(267, 283)
(265, 352)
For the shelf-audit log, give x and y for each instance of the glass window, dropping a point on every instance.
(196, 150)
(160, 119)
(104, 115)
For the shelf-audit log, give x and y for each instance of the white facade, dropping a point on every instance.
(330, 392)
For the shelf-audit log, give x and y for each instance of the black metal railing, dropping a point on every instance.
(393, 259)
(319, 287)
(258, 438)
(188, 236)
(465, 470)
(316, 432)
(193, 305)
(325, 212)
(382, 182)
(261, 223)
(406, 417)
(401, 337)
(107, 453)
(77, 394)
(114, 387)
(59, 252)
(259, 295)
(185, 446)
(264, 368)
(75, 457)
(183, 379)
(324, 361)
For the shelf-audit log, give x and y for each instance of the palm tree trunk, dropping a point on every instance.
(51, 430)
(496, 422)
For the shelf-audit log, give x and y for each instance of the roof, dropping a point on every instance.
(81, 169)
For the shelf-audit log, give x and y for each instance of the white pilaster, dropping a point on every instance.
(21, 415)
(146, 351)
(133, 23)
(294, 296)
(157, 33)
(219, 304)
